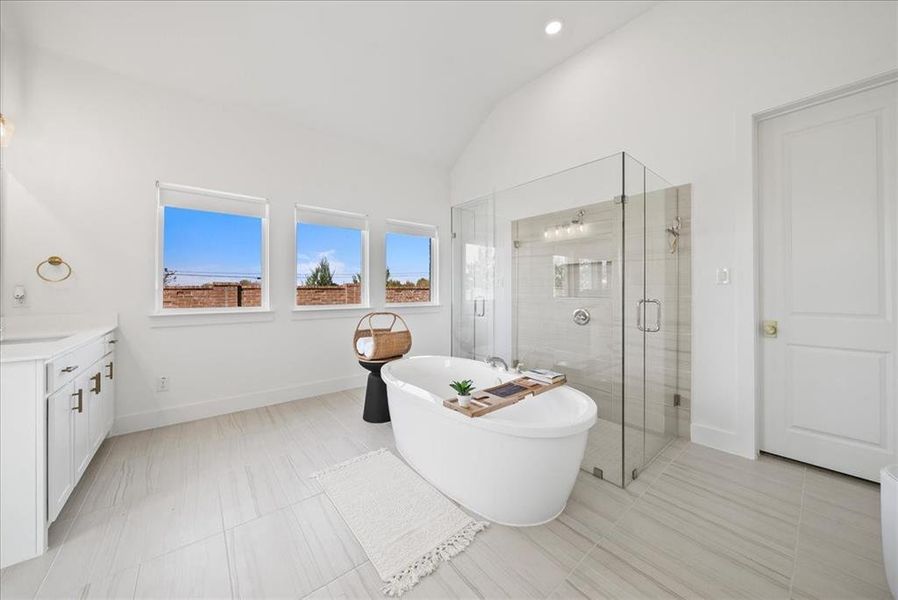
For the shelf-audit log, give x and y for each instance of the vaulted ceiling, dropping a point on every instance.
(416, 78)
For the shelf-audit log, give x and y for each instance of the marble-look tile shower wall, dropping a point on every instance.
(559, 269)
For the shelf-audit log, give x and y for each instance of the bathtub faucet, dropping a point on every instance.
(495, 361)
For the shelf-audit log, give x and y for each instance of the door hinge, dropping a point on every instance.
(598, 472)
(677, 399)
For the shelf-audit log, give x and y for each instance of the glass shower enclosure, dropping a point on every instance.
(581, 272)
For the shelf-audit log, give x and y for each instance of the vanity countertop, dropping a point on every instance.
(34, 339)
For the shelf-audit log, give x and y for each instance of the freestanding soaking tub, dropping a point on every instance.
(516, 466)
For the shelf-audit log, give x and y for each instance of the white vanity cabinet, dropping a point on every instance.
(79, 417)
(56, 408)
(60, 479)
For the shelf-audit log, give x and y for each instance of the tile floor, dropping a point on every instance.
(604, 448)
(224, 508)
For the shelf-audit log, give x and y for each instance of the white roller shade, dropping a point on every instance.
(212, 201)
(330, 217)
(409, 228)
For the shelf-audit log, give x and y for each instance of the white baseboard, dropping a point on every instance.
(719, 439)
(222, 406)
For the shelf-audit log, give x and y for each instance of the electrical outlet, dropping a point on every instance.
(162, 384)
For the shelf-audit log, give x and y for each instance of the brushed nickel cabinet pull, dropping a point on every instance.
(110, 374)
(80, 395)
(69, 369)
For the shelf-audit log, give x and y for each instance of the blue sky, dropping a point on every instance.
(341, 246)
(206, 246)
(408, 256)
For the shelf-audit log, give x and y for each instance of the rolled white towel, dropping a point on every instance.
(365, 346)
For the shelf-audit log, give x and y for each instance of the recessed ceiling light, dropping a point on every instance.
(553, 27)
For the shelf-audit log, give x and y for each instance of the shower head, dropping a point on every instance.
(674, 230)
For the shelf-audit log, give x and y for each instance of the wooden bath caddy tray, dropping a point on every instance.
(499, 396)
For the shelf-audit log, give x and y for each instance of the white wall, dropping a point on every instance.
(78, 181)
(678, 88)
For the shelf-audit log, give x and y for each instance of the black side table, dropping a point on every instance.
(377, 410)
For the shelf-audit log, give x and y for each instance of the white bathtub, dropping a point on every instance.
(516, 466)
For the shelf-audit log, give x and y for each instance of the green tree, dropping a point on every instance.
(321, 275)
(392, 282)
(424, 282)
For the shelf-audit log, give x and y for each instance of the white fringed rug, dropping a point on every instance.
(406, 527)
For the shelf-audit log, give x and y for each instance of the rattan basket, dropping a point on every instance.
(388, 343)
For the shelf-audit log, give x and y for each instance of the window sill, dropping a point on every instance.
(422, 306)
(189, 318)
(334, 311)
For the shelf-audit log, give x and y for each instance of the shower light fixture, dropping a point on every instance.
(553, 27)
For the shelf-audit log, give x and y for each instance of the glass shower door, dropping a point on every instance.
(473, 267)
(650, 334)
(636, 317)
(662, 290)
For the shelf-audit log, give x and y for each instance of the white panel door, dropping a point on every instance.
(827, 180)
(97, 405)
(108, 392)
(81, 448)
(59, 449)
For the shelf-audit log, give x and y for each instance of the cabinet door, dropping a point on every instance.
(60, 480)
(109, 390)
(96, 410)
(81, 448)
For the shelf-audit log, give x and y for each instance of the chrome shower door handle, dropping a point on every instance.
(657, 326)
(639, 308)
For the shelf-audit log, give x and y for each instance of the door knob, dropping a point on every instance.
(770, 329)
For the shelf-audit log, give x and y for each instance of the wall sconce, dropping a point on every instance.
(7, 128)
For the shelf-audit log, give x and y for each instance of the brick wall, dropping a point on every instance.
(398, 295)
(308, 295)
(212, 295)
(234, 295)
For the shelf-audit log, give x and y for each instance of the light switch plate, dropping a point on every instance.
(723, 276)
(19, 296)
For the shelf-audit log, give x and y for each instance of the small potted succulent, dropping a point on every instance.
(463, 391)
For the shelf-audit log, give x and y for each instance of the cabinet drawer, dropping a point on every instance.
(61, 370)
(65, 368)
(109, 341)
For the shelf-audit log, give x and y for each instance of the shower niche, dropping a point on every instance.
(586, 272)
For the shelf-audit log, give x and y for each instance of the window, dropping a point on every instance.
(331, 258)
(411, 269)
(212, 251)
(581, 277)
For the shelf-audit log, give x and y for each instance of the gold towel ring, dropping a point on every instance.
(54, 261)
